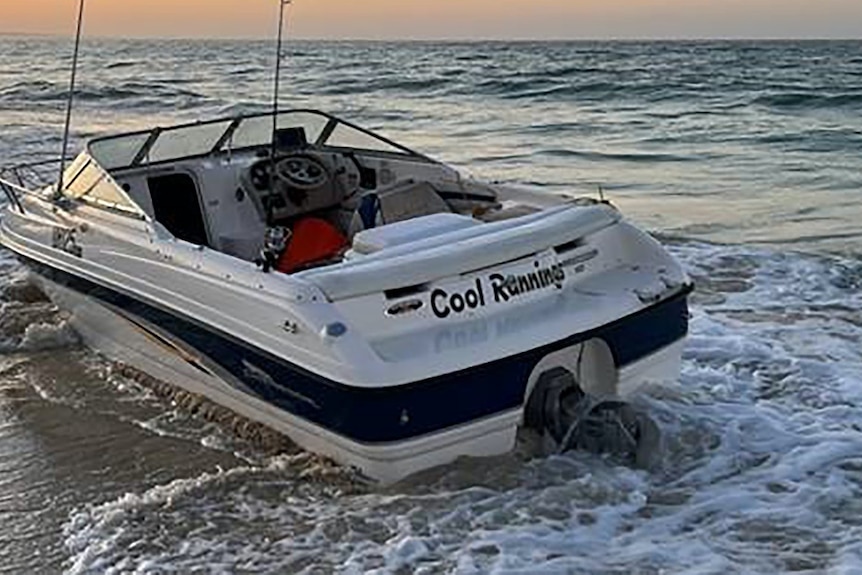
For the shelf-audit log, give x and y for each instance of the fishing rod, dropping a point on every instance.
(59, 191)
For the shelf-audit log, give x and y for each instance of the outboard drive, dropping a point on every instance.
(575, 420)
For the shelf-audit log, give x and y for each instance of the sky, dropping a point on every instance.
(444, 19)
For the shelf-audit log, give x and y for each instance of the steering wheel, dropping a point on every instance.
(302, 172)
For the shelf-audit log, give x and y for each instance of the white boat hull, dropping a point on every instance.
(145, 347)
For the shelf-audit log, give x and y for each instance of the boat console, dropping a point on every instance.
(229, 182)
(298, 183)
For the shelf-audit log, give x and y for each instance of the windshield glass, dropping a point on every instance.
(344, 136)
(258, 131)
(186, 142)
(118, 152)
(94, 185)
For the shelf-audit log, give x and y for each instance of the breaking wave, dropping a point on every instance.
(28, 321)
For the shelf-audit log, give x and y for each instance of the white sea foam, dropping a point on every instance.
(44, 336)
(28, 322)
(39, 337)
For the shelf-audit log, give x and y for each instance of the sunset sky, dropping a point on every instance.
(456, 19)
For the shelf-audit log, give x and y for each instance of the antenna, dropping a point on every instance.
(59, 191)
(277, 87)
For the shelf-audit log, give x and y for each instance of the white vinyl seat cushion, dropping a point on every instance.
(409, 231)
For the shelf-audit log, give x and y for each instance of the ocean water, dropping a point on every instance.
(744, 158)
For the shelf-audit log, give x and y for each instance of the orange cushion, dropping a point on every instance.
(313, 240)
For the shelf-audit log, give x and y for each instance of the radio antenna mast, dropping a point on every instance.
(277, 87)
(59, 191)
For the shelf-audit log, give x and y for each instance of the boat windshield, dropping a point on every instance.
(161, 145)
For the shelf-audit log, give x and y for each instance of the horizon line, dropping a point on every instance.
(452, 40)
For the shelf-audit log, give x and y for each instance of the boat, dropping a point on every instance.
(450, 307)
(373, 304)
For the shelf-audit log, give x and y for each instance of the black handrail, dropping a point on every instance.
(12, 196)
(32, 175)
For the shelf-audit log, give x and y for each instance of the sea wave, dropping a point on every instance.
(386, 84)
(636, 157)
(28, 321)
(121, 64)
(810, 101)
(42, 91)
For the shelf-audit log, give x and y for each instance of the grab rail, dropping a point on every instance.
(26, 179)
(9, 190)
(33, 175)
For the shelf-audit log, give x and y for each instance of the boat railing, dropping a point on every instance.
(11, 195)
(27, 179)
(33, 175)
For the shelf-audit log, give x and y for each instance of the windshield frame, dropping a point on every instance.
(222, 144)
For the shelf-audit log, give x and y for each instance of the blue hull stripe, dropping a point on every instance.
(385, 415)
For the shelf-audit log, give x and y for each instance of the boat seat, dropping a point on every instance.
(401, 233)
(508, 213)
(403, 200)
(450, 254)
